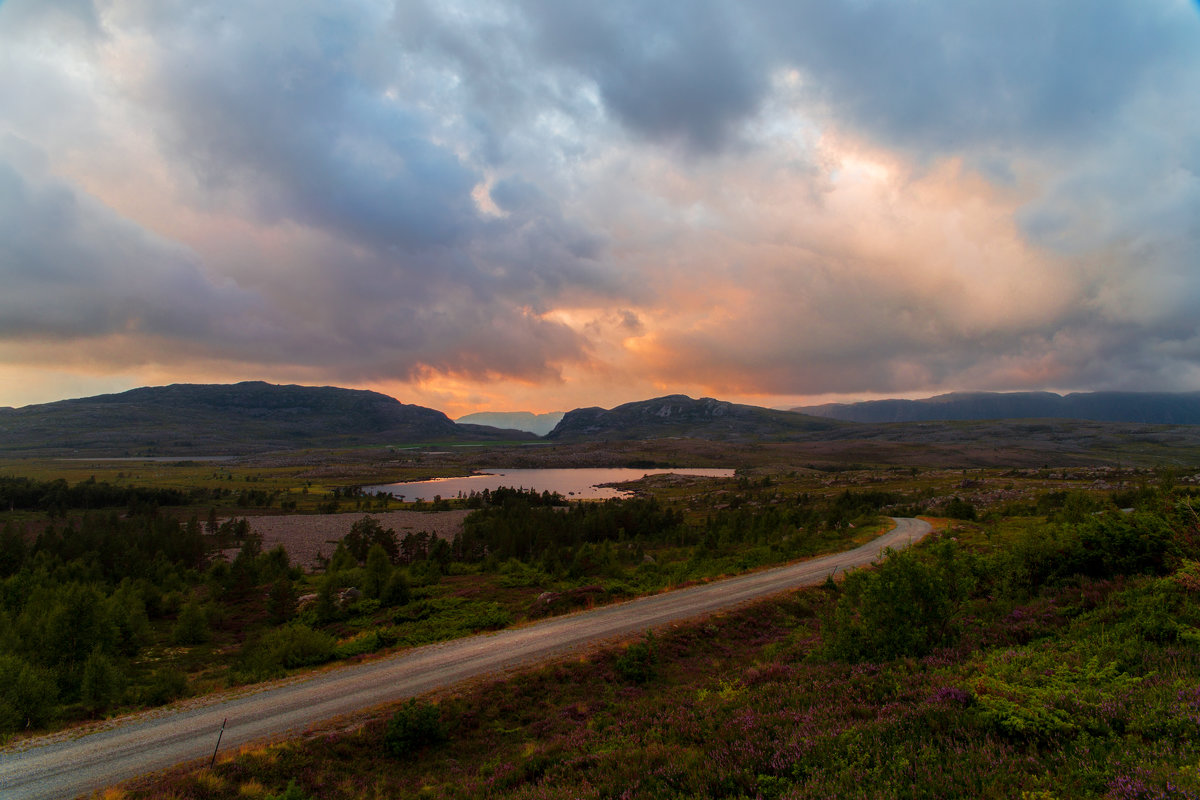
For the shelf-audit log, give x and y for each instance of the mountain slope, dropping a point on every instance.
(197, 419)
(681, 416)
(1155, 408)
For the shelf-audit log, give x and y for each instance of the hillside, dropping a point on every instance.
(681, 416)
(202, 419)
(1154, 408)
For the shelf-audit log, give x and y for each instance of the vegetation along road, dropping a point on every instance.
(65, 766)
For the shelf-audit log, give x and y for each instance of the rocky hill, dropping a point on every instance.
(208, 419)
(681, 416)
(1154, 408)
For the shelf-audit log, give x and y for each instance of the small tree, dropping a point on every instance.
(379, 569)
(281, 601)
(27, 694)
(396, 592)
(102, 683)
(342, 559)
(368, 532)
(192, 625)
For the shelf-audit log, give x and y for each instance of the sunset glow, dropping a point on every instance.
(544, 205)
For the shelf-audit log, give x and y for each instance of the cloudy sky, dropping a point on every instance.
(541, 204)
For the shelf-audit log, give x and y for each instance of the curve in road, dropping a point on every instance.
(57, 766)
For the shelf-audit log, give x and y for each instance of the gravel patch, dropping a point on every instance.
(304, 536)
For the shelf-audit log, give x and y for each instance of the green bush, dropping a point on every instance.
(639, 663)
(292, 792)
(165, 685)
(289, 647)
(415, 726)
(28, 696)
(367, 642)
(1121, 544)
(957, 508)
(1039, 697)
(103, 683)
(901, 608)
(192, 625)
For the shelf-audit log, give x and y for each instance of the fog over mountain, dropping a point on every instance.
(541, 424)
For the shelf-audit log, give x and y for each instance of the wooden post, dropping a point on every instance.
(219, 735)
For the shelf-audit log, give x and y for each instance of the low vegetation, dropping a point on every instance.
(103, 611)
(1045, 643)
(1031, 669)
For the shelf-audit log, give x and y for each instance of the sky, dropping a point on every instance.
(544, 204)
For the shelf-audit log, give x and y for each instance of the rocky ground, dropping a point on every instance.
(304, 536)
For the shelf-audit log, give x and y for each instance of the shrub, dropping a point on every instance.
(639, 663)
(102, 684)
(415, 726)
(287, 648)
(957, 508)
(292, 792)
(165, 685)
(1039, 697)
(1119, 544)
(901, 608)
(363, 643)
(192, 625)
(27, 695)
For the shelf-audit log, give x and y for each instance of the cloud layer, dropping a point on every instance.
(542, 204)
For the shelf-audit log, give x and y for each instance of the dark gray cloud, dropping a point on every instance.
(273, 108)
(668, 71)
(73, 269)
(376, 190)
(942, 77)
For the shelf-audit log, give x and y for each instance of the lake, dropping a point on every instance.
(573, 484)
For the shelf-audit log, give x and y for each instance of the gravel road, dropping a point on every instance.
(58, 766)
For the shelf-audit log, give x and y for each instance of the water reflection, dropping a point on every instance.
(573, 484)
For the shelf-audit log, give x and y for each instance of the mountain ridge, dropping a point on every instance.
(1152, 408)
(682, 416)
(252, 416)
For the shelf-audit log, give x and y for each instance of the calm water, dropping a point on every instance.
(573, 484)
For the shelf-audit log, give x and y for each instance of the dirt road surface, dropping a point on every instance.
(59, 766)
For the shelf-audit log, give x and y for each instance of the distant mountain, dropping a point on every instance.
(199, 419)
(1155, 408)
(681, 416)
(541, 424)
